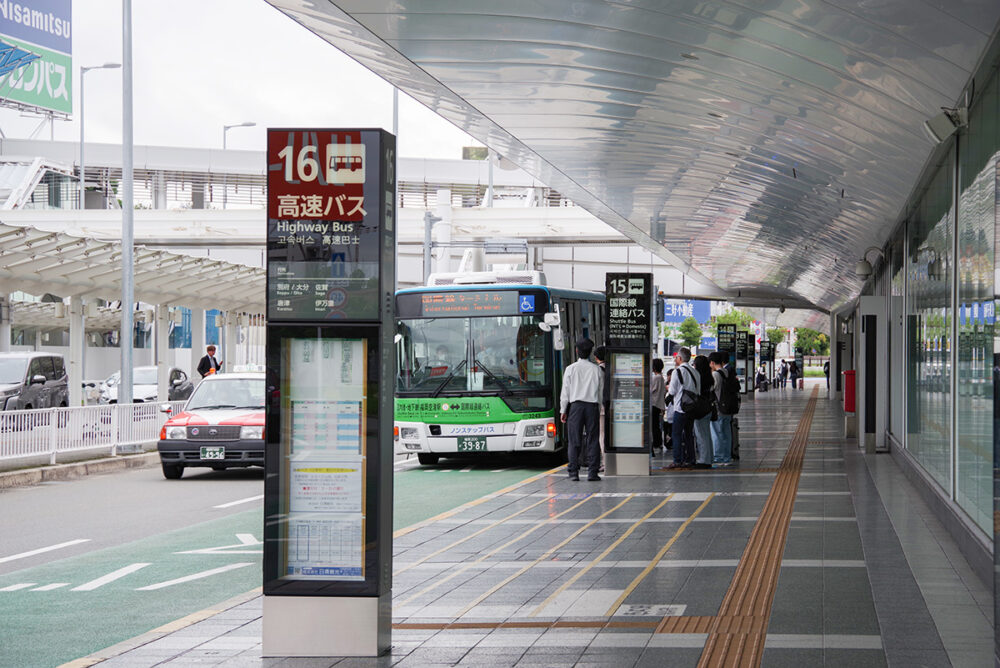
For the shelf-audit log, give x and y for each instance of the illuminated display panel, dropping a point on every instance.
(466, 303)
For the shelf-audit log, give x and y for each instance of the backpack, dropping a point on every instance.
(695, 405)
(783, 370)
(729, 398)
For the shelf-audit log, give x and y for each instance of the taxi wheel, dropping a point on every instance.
(172, 471)
(428, 458)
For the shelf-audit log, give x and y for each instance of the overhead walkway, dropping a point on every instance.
(806, 553)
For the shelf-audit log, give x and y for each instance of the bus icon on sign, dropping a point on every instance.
(345, 163)
(636, 286)
(527, 304)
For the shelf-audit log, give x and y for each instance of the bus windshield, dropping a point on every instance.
(490, 355)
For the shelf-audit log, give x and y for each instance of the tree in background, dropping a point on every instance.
(690, 332)
(734, 316)
(776, 335)
(812, 342)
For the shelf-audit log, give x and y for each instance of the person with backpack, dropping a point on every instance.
(684, 381)
(783, 373)
(727, 398)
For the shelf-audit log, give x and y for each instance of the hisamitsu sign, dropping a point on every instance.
(44, 29)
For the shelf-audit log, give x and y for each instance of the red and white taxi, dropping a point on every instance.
(221, 426)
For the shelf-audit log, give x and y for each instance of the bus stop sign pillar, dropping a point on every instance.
(331, 239)
(629, 302)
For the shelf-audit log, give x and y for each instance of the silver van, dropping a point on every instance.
(33, 380)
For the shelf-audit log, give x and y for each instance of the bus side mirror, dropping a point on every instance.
(557, 339)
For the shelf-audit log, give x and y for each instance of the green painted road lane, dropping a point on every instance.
(49, 627)
(67, 609)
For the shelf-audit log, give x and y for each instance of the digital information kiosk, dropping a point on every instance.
(629, 299)
(328, 489)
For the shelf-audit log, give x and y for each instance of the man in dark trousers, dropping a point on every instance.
(209, 364)
(580, 410)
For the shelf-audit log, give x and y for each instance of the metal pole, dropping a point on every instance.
(428, 222)
(395, 111)
(225, 176)
(83, 205)
(128, 277)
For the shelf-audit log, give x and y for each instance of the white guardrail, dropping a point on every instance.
(37, 433)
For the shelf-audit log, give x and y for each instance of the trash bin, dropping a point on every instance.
(849, 391)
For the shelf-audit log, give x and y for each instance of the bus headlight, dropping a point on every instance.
(534, 430)
(408, 432)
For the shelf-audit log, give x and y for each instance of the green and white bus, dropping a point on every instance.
(480, 365)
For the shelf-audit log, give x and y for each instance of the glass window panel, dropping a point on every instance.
(974, 313)
(929, 315)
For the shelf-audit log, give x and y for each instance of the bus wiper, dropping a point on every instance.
(492, 376)
(447, 380)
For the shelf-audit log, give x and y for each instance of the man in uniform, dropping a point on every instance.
(580, 410)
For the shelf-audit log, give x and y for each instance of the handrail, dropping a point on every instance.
(33, 434)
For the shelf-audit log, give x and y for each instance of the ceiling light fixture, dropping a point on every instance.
(689, 56)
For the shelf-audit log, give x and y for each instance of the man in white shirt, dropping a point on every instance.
(579, 408)
(684, 377)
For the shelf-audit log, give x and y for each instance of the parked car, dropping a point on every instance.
(33, 380)
(144, 385)
(221, 426)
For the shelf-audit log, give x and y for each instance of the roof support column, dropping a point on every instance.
(4, 322)
(77, 350)
(161, 344)
(442, 233)
(197, 340)
(229, 339)
(832, 394)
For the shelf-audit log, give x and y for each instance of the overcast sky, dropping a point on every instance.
(201, 65)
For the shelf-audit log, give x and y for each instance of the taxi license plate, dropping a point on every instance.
(471, 443)
(213, 453)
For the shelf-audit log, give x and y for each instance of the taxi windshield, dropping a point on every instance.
(228, 393)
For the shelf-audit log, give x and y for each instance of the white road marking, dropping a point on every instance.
(236, 503)
(110, 577)
(50, 587)
(40, 550)
(21, 585)
(246, 540)
(195, 576)
(466, 469)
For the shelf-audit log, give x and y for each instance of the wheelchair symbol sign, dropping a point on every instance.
(527, 303)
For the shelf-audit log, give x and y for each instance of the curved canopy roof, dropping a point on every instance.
(38, 261)
(760, 146)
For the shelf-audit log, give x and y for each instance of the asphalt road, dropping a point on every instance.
(87, 563)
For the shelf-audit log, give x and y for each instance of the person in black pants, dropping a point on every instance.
(580, 410)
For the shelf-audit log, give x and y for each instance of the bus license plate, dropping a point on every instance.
(472, 443)
(213, 453)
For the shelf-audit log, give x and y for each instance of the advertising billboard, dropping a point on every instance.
(42, 28)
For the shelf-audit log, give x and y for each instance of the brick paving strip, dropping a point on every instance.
(736, 635)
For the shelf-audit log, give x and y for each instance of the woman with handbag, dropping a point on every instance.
(702, 425)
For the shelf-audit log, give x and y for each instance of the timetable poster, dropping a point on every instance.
(628, 392)
(325, 443)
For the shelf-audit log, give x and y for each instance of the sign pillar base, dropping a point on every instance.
(326, 625)
(626, 463)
